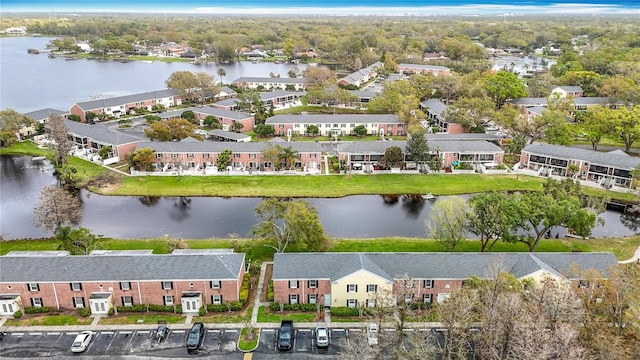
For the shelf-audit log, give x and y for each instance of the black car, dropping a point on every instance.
(195, 337)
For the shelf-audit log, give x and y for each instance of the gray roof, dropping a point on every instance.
(379, 147)
(209, 110)
(538, 101)
(228, 134)
(227, 102)
(591, 100)
(420, 66)
(593, 157)
(43, 114)
(121, 268)
(537, 109)
(462, 137)
(227, 90)
(435, 106)
(218, 146)
(571, 88)
(127, 99)
(269, 95)
(364, 94)
(330, 119)
(100, 133)
(333, 266)
(579, 101)
(250, 79)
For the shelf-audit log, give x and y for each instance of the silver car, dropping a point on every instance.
(322, 336)
(82, 341)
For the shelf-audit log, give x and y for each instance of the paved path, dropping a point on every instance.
(256, 301)
(636, 257)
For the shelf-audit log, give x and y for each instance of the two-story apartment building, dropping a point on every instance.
(92, 138)
(270, 83)
(361, 76)
(279, 99)
(40, 117)
(121, 105)
(343, 124)
(437, 113)
(607, 169)
(107, 279)
(201, 156)
(423, 69)
(376, 279)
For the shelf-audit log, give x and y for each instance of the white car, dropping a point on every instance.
(82, 341)
(372, 334)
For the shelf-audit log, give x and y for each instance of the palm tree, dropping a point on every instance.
(288, 155)
(221, 73)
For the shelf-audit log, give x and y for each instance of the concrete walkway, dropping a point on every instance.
(256, 300)
(636, 257)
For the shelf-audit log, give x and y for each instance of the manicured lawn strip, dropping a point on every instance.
(146, 319)
(25, 148)
(49, 320)
(264, 316)
(224, 317)
(623, 248)
(321, 186)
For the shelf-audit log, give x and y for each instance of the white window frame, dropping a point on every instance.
(352, 303)
(76, 286)
(36, 302)
(352, 288)
(167, 300)
(372, 288)
(427, 298)
(313, 298)
(127, 301)
(313, 284)
(216, 299)
(371, 303)
(167, 285)
(428, 284)
(33, 286)
(293, 284)
(216, 284)
(408, 298)
(294, 299)
(125, 285)
(78, 302)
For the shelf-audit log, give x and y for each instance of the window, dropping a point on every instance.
(408, 298)
(167, 285)
(190, 155)
(427, 298)
(36, 302)
(168, 299)
(583, 283)
(293, 298)
(174, 155)
(408, 284)
(127, 301)
(267, 164)
(216, 284)
(78, 302)
(158, 156)
(313, 284)
(76, 286)
(371, 303)
(352, 303)
(125, 285)
(372, 288)
(33, 287)
(352, 288)
(205, 156)
(236, 156)
(428, 284)
(216, 299)
(313, 298)
(293, 284)
(252, 156)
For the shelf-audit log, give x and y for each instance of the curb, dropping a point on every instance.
(250, 350)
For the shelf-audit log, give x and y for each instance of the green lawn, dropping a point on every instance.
(264, 316)
(224, 317)
(248, 345)
(49, 320)
(135, 319)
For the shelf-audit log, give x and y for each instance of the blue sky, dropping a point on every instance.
(329, 6)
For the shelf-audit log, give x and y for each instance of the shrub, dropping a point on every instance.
(270, 291)
(230, 306)
(344, 311)
(165, 308)
(38, 310)
(202, 311)
(84, 312)
(275, 306)
(134, 308)
(17, 314)
(244, 289)
(112, 311)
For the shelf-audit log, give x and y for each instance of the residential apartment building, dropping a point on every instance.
(423, 69)
(436, 112)
(91, 138)
(329, 125)
(376, 279)
(279, 99)
(361, 76)
(121, 105)
(107, 279)
(40, 117)
(608, 169)
(270, 83)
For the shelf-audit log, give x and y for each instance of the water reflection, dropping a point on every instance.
(149, 200)
(180, 209)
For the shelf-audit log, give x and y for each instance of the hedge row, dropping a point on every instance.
(38, 309)
(150, 307)
(348, 311)
(276, 306)
(231, 306)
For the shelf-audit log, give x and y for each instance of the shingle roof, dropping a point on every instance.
(250, 79)
(127, 99)
(333, 266)
(379, 147)
(228, 134)
(330, 119)
(436, 107)
(419, 66)
(43, 114)
(218, 146)
(120, 267)
(100, 133)
(209, 110)
(594, 157)
(571, 88)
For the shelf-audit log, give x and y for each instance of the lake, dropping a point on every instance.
(367, 216)
(32, 82)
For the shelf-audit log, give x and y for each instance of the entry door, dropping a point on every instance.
(191, 304)
(327, 300)
(100, 306)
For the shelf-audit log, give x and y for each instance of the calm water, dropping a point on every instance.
(32, 82)
(205, 217)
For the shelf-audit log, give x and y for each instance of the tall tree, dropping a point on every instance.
(447, 222)
(78, 241)
(185, 82)
(289, 224)
(224, 159)
(596, 123)
(59, 133)
(288, 156)
(171, 130)
(417, 148)
(471, 113)
(489, 218)
(221, 72)
(626, 121)
(393, 157)
(56, 207)
(504, 85)
(10, 122)
(141, 159)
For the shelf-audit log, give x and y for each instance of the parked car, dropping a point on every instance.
(372, 334)
(285, 339)
(82, 341)
(195, 337)
(322, 336)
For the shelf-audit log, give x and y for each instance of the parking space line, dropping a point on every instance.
(107, 333)
(73, 333)
(54, 333)
(143, 332)
(178, 331)
(356, 329)
(269, 330)
(231, 331)
(125, 332)
(213, 331)
(35, 333)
